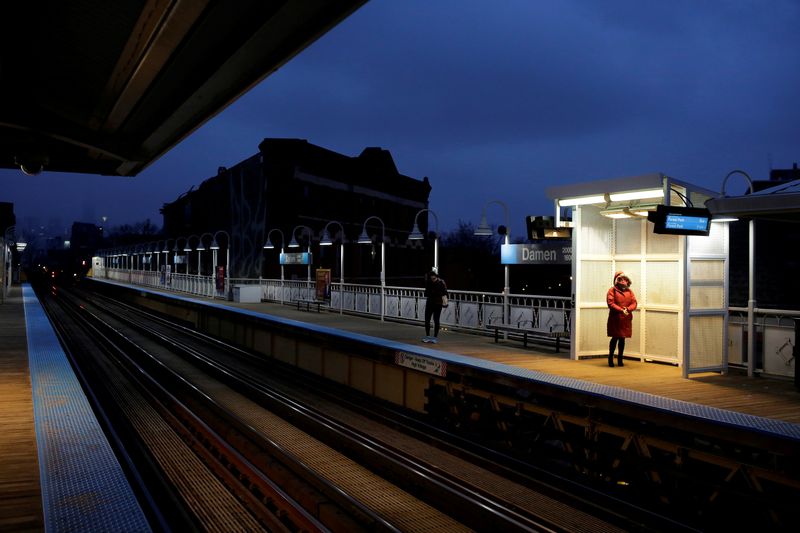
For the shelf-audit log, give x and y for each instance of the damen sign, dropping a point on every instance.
(544, 253)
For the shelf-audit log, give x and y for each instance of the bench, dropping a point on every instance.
(542, 334)
(309, 302)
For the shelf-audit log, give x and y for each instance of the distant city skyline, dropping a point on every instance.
(496, 103)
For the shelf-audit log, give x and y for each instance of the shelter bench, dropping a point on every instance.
(528, 332)
(309, 302)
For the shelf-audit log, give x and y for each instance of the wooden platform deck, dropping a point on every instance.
(20, 492)
(765, 397)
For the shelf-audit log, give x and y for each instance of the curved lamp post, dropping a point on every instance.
(326, 241)
(215, 247)
(293, 244)
(269, 246)
(9, 232)
(484, 229)
(416, 235)
(751, 285)
(364, 238)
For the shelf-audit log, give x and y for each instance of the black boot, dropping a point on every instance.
(611, 360)
(619, 361)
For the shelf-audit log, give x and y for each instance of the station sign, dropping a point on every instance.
(303, 258)
(540, 253)
(421, 363)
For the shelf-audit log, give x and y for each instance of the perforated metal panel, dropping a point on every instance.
(662, 334)
(706, 341)
(707, 306)
(592, 334)
(596, 232)
(628, 237)
(595, 281)
(663, 283)
(661, 244)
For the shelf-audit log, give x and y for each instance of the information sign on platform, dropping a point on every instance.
(323, 284)
(421, 363)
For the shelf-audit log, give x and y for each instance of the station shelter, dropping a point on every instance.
(680, 281)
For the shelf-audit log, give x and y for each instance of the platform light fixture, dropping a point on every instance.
(636, 195)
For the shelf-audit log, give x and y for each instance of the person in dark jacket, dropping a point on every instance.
(621, 304)
(436, 292)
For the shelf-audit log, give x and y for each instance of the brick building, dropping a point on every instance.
(291, 183)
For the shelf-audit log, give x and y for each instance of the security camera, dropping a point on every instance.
(31, 164)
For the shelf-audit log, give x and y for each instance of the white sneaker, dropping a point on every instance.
(434, 340)
(426, 339)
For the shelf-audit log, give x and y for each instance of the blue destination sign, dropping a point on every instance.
(544, 253)
(686, 222)
(303, 258)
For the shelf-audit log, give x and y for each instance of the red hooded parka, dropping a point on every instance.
(618, 299)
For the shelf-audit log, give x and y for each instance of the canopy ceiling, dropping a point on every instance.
(100, 87)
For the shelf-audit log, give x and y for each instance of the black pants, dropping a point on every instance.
(612, 345)
(435, 311)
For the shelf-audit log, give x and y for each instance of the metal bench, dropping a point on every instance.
(526, 332)
(309, 302)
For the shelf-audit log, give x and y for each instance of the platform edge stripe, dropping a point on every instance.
(83, 485)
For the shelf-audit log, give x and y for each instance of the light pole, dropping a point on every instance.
(165, 251)
(215, 247)
(484, 229)
(751, 285)
(326, 241)
(293, 244)
(269, 246)
(366, 239)
(9, 232)
(201, 248)
(417, 235)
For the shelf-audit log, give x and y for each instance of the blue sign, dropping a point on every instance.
(544, 253)
(686, 222)
(303, 258)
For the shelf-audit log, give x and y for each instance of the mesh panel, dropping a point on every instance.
(662, 334)
(596, 231)
(706, 297)
(663, 283)
(592, 335)
(595, 281)
(713, 270)
(705, 341)
(661, 244)
(715, 243)
(628, 239)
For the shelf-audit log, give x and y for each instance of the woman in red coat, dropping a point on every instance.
(621, 304)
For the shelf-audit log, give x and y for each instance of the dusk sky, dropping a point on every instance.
(497, 101)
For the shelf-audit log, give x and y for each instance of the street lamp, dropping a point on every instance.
(417, 235)
(751, 286)
(293, 244)
(215, 247)
(366, 239)
(9, 232)
(326, 241)
(484, 229)
(269, 246)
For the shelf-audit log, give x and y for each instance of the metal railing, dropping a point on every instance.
(468, 310)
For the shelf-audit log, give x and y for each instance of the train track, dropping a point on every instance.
(281, 455)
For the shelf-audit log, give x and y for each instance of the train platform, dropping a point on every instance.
(58, 472)
(770, 398)
(48, 433)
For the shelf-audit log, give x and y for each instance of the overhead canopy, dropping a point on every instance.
(781, 202)
(106, 87)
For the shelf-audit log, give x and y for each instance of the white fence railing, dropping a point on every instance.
(467, 309)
